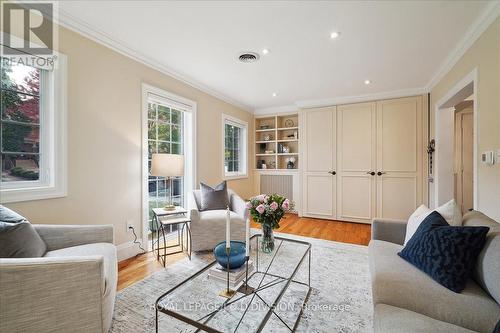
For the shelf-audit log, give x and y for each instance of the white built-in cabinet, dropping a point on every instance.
(363, 160)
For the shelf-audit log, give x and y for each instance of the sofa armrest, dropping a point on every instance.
(62, 236)
(238, 205)
(389, 230)
(63, 294)
(194, 213)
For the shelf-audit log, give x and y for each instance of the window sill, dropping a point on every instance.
(237, 176)
(30, 194)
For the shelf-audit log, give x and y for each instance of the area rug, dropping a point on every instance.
(340, 300)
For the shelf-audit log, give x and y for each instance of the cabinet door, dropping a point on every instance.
(399, 157)
(318, 144)
(356, 157)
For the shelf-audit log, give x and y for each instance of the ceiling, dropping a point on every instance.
(398, 46)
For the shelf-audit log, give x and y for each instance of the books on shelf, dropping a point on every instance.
(236, 276)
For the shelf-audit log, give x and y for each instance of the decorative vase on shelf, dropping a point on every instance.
(267, 244)
(268, 210)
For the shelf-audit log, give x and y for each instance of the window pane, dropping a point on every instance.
(151, 111)
(20, 167)
(176, 148)
(176, 134)
(162, 188)
(163, 114)
(20, 107)
(20, 138)
(151, 130)
(21, 78)
(163, 132)
(163, 147)
(152, 189)
(177, 186)
(151, 148)
(176, 117)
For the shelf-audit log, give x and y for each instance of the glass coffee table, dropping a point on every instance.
(281, 282)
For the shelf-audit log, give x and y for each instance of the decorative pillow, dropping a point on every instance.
(213, 198)
(446, 253)
(20, 240)
(8, 215)
(449, 211)
(497, 328)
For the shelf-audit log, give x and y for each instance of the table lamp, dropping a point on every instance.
(168, 166)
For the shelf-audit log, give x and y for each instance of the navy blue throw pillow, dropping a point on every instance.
(497, 328)
(446, 253)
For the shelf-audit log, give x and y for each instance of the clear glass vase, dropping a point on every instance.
(267, 244)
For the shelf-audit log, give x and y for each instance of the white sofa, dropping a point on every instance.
(208, 228)
(71, 289)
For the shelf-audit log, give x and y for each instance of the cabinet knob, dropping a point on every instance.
(380, 173)
(370, 173)
(332, 173)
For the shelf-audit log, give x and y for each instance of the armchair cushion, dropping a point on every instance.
(20, 240)
(213, 198)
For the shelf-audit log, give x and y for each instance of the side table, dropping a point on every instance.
(175, 217)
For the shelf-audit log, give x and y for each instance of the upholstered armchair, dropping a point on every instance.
(208, 228)
(70, 289)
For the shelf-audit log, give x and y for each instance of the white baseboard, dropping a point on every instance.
(127, 250)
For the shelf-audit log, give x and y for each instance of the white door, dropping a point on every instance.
(356, 162)
(399, 157)
(464, 152)
(318, 176)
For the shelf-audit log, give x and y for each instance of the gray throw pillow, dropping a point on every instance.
(213, 198)
(8, 215)
(20, 240)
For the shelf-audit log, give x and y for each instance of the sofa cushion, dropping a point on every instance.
(398, 283)
(391, 319)
(487, 271)
(213, 198)
(107, 250)
(20, 240)
(446, 253)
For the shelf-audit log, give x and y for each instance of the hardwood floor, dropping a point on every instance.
(137, 268)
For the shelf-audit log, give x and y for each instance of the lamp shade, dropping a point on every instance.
(167, 165)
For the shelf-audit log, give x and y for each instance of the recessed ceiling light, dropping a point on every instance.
(275, 94)
(334, 34)
(265, 51)
(368, 81)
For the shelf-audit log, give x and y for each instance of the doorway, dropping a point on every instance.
(455, 175)
(464, 155)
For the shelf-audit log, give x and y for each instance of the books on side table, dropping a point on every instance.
(236, 276)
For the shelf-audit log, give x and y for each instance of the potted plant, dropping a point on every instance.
(268, 211)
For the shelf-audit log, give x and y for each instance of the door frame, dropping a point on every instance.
(188, 106)
(464, 88)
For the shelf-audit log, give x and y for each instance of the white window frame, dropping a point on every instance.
(243, 125)
(52, 181)
(190, 176)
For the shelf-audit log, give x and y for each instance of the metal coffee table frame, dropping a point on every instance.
(201, 324)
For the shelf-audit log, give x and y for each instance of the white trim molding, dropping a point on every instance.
(190, 108)
(456, 94)
(127, 250)
(53, 173)
(243, 125)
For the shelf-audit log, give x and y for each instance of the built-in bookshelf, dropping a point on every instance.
(277, 142)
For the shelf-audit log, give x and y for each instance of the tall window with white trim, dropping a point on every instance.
(32, 129)
(235, 147)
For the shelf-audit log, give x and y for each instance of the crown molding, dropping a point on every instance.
(70, 22)
(360, 98)
(489, 15)
(275, 110)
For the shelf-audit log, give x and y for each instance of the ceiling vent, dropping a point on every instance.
(248, 57)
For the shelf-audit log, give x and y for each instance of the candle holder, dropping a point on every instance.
(228, 293)
(245, 288)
